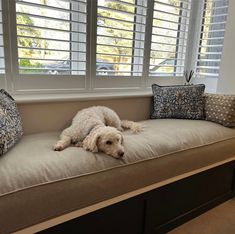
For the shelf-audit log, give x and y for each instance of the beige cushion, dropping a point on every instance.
(36, 180)
(220, 108)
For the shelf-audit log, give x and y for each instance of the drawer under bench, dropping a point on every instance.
(159, 210)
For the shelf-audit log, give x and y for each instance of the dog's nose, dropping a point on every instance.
(120, 153)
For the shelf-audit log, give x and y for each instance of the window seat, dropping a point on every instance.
(38, 184)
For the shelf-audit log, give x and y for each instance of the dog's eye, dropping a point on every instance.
(109, 142)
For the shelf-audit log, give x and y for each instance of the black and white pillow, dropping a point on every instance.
(10, 122)
(220, 108)
(179, 101)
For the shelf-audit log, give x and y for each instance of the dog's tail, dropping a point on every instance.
(133, 126)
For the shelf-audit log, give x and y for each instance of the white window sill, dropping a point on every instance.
(40, 98)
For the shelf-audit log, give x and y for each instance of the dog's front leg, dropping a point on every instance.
(62, 143)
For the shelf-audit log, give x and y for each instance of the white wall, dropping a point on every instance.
(226, 82)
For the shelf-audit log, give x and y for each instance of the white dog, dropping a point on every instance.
(96, 129)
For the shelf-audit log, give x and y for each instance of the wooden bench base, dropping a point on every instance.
(159, 210)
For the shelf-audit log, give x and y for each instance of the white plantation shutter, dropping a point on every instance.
(120, 37)
(210, 45)
(2, 57)
(72, 46)
(51, 37)
(169, 37)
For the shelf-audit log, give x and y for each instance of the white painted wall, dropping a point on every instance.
(226, 82)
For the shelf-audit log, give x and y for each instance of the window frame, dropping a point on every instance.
(3, 80)
(91, 83)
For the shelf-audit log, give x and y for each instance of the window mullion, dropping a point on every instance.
(11, 46)
(194, 34)
(147, 44)
(5, 49)
(92, 28)
(88, 46)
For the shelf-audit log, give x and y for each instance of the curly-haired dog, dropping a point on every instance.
(96, 129)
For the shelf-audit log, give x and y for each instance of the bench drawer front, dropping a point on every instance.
(124, 217)
(183, 196)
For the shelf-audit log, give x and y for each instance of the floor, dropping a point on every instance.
(220, 220)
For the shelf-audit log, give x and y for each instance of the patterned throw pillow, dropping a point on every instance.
(10, 122)
(220, 108)
(180, 101)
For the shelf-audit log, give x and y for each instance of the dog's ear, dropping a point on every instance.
(90, 142)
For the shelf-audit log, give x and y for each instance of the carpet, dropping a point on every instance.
(220, 220)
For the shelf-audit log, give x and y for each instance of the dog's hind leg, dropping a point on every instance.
(65, 140)
(135, 127)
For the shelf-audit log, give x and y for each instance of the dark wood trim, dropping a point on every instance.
(192, 214)
(161, 209)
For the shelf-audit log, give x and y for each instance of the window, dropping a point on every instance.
(51, 37)
(169, 37)
(56, 46)
(2, 61)
(120, 37)
(210, 46)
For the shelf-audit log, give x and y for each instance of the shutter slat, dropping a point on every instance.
(50, 18)
(108, 9)
(171, 21)
(51, 39)
(123, 29)
(74, 1)
(127, 47)
(49, 7)
(208, 67)
(166, 36)
(51, 29)
(47, 69)
(168, 44)
(59, 50)
(127, 4)
(173, 6)
(119, 20)
(117, 55)
(57, 60)
(169, 13)
(170, 29)
(168, 51)
(123, 38)
(140, 64)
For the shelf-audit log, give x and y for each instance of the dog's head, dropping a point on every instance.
(105, 139)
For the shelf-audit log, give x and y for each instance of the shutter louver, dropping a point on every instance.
(51, 36)
(169, 37)
(120, 37)
(211, 38)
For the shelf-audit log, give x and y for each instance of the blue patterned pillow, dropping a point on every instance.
(180, 101)
(10, 122)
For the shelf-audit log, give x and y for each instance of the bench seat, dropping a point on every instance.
(38, 183)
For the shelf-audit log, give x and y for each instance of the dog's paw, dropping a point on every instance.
(58, 147)
(120, 129)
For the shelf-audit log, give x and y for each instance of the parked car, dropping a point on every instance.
(64, 67)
